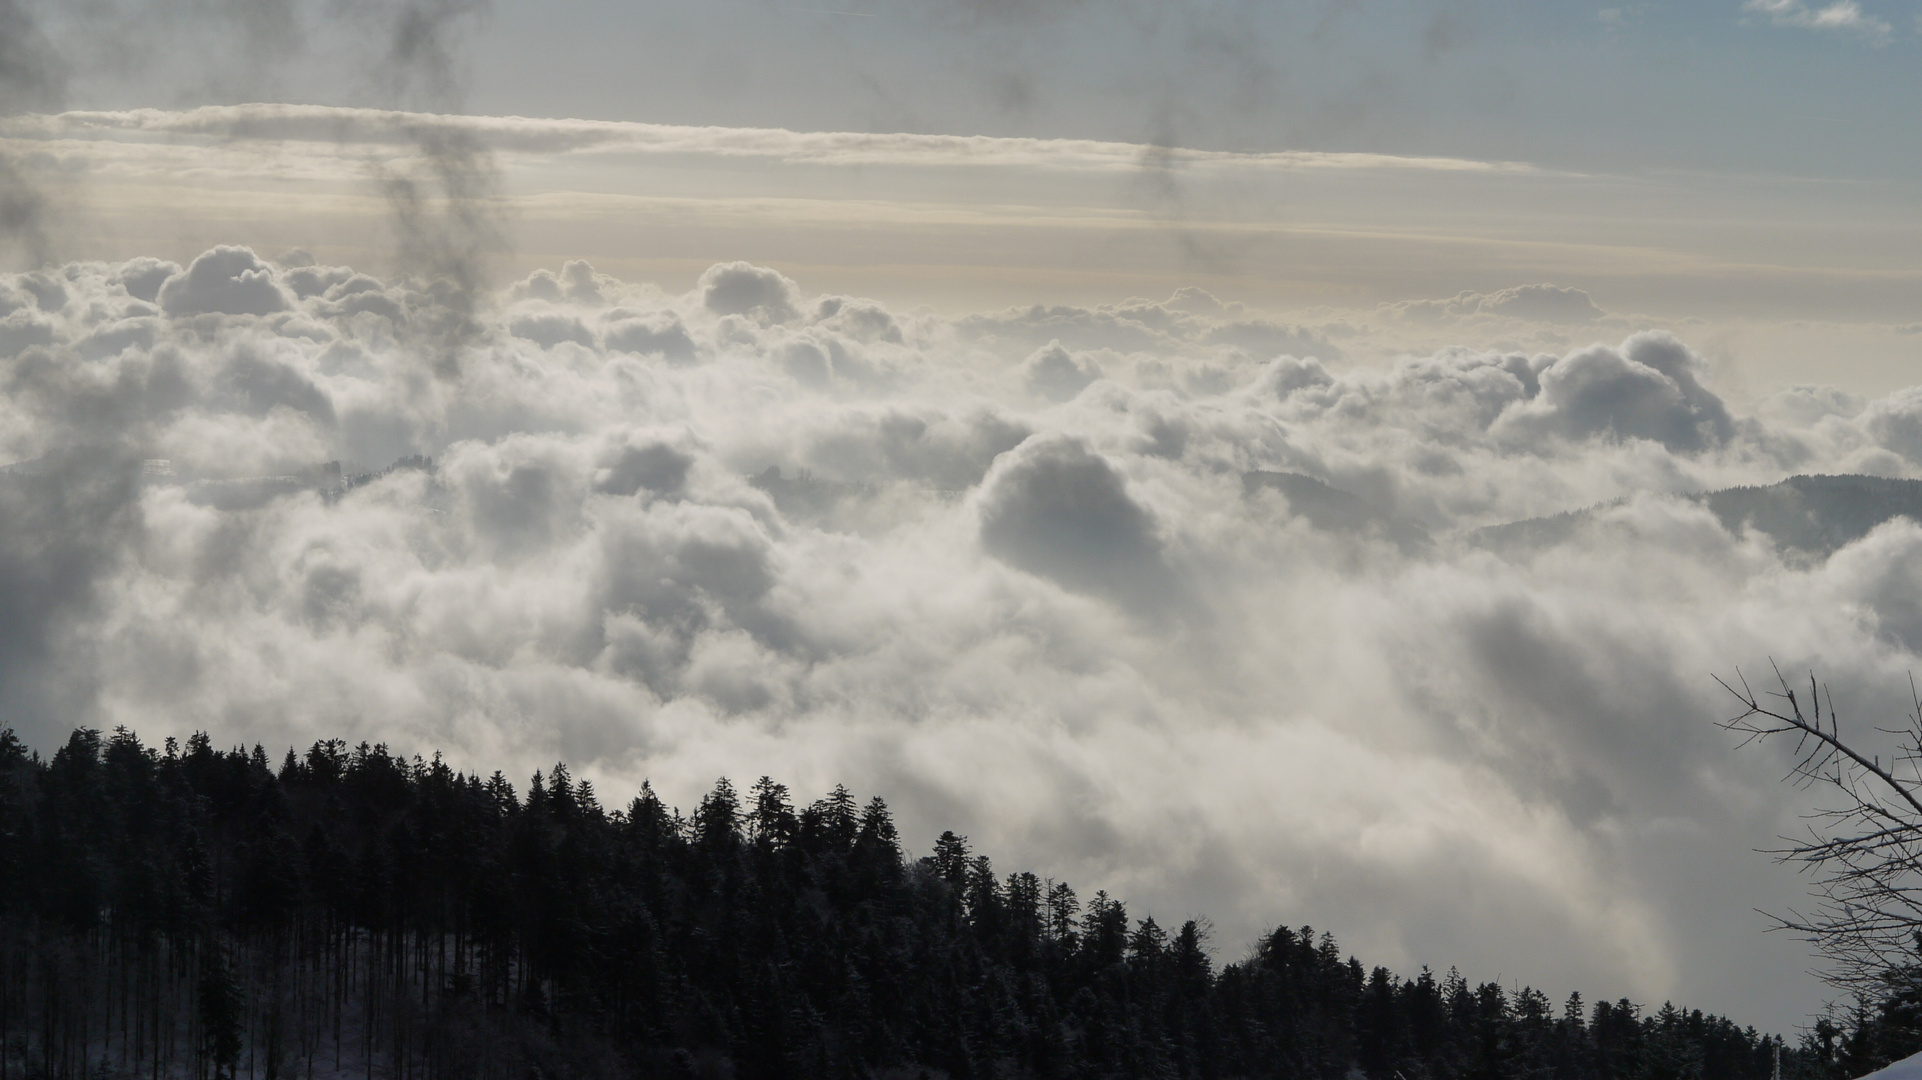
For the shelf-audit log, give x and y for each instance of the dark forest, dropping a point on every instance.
(189, 912)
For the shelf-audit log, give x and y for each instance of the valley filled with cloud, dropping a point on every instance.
(1169, 596)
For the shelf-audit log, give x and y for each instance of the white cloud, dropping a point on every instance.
(1057, 375)
(741, 289)
(1543, 302)
(1839, 15)
(226, 280)
(333, 127)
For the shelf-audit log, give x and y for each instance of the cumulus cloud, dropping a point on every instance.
(743, 289)
(143, 277)
(1895, 423)
(1540, 303)
(1190, 317)
(1547, 303)
(1649, 389)
(226, 280)
(1056, 374)
(1056, 510)
(659, 334)
(632, 466)
(1160, 596)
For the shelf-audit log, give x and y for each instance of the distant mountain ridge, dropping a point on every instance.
(1332, 509)
(1817, 515)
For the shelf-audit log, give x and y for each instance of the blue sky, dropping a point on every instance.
(1706, 85)
(1798, 87)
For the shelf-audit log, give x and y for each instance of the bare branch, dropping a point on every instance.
(1865, 851)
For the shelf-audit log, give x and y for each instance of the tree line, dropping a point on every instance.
(182, 911)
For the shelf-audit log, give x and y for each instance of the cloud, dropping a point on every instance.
(143, 277)
(64, 524)
(1649, 389)
(1895, 422)
(629, 469)
(1844, 15)
(1288, 374)
(742, 289)
(519, 135)
(1544, 303)
(226, 280)
(1538, 303)
(1058, 511)
(551, 329)
(1057, 375)
(660, 334)
(23, 328)
(577, 282)
(1029, 574)
(1189, 317)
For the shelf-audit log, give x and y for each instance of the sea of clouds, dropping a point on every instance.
(1022, 573)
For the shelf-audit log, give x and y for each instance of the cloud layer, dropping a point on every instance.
(1161, 595)
(333, 126)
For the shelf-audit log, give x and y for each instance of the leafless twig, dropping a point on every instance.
(1864, 851)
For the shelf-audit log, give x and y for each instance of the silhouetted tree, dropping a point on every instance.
(189, 911)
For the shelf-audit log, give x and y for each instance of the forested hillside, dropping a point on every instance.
(191, 912)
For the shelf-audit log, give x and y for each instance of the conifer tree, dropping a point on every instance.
(198, 912)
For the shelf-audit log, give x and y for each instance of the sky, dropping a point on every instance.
(1019, 301)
